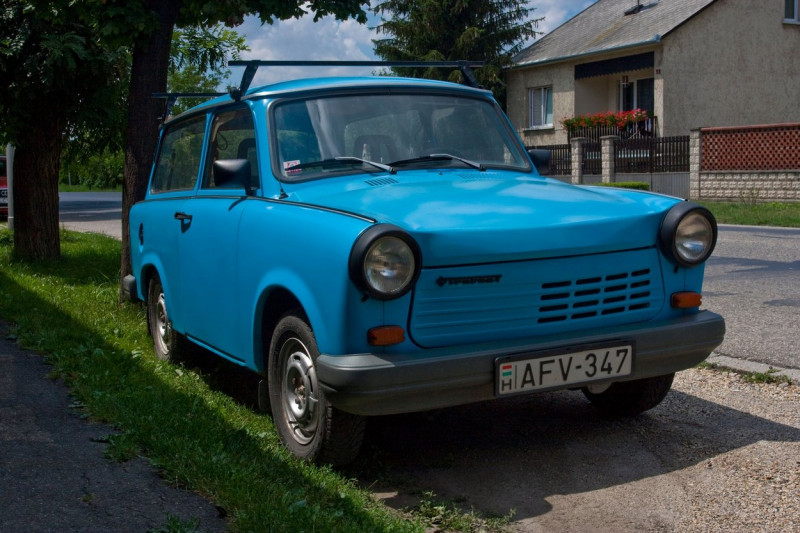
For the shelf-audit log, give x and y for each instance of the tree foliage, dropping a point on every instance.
(198, 60)
(435, 30)
(53, 63)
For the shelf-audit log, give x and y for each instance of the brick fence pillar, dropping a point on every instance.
(695, 191)
(576, 151)
(608, 164)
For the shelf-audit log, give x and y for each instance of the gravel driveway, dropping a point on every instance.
(719, 454)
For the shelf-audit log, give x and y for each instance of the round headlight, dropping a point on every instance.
(694, 237)
(389, 265)
(688, 234)
(385, 262)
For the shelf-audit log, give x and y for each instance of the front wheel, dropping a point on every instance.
(630, 398)
(308, 425)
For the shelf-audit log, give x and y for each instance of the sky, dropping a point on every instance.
(329, 39)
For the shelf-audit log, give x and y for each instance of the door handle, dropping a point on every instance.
(183, 216)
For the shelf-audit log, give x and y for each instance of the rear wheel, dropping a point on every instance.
(308, 425)
(630, 398)
(168, 344)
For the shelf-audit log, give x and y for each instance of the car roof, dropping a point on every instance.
(305, 86)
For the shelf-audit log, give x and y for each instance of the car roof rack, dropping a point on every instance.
(251, 66)
(173, 97)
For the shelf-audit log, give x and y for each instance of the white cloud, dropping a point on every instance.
(305, 40)
(330, 39)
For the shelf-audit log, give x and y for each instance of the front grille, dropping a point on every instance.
(523, 299)
(595, 296)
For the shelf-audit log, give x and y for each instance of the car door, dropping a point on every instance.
(215, 312)
(157, 224)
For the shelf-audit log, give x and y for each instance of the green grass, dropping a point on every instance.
(199, 437)
(756, 214)
(771, 376)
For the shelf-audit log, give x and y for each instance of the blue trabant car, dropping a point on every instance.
(383, 245)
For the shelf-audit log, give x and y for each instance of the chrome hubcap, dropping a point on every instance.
(163, 330)
(300, 391)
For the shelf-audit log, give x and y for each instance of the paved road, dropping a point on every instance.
(753, 280)
(96, 212)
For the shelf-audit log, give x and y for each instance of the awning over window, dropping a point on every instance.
(613, 66)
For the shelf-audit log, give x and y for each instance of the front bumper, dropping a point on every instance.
(380, 384)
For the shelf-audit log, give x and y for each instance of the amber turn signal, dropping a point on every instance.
(386, 336)
(686, 300)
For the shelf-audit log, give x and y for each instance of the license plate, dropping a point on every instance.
(548, 370)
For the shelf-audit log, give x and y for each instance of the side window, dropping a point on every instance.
(179, 158)
(232, 136)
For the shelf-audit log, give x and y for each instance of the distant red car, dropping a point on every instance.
(3, 188)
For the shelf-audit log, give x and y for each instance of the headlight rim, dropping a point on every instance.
(669, 231)
(361, 247)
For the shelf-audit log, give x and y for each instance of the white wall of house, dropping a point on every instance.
(735, 63)
(558, 76)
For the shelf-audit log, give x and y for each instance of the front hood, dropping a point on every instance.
(469, 217)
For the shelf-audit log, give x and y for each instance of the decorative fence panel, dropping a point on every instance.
(774, 147)
(746, 163)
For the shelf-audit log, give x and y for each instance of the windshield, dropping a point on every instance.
(335, 135)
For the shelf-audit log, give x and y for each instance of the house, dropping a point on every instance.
(689, 63)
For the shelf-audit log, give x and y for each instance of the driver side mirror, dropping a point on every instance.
(232, 174)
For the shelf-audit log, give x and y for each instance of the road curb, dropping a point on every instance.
(742, 365)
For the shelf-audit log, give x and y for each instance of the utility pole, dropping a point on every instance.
(10, 176)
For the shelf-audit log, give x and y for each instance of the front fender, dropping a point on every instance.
(323, 308)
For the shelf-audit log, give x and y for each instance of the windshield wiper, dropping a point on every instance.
(341, 161)
(433, 157)
(385, 168)
(473, 164)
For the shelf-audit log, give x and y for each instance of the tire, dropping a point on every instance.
(630, 398)
(311, 428)
(168, 344)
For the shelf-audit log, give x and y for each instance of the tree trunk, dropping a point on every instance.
(148, 76)
(36, 221)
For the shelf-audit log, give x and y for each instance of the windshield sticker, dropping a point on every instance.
(287, 165)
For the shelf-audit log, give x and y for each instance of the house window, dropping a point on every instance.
(541, 107)
(638, 94)
(791, 11)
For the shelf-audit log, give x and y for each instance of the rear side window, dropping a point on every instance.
(178, 162)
